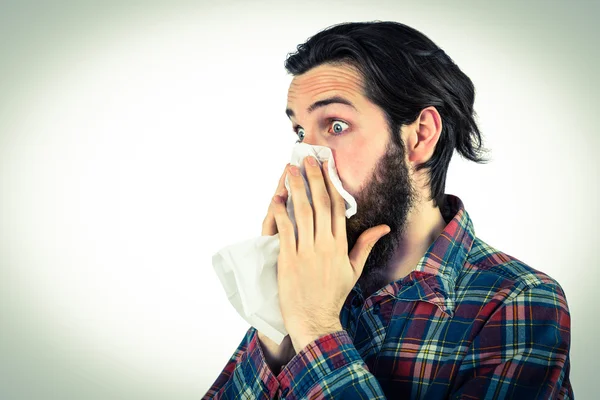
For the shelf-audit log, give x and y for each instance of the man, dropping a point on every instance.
(401, 300)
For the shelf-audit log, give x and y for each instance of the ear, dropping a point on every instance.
(423, 135)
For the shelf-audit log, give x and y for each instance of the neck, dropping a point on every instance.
(423, 226)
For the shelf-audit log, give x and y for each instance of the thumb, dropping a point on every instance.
(364, 244)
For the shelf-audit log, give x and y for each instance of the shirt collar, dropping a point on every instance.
(434, 278)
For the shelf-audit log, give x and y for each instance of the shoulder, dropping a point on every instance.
(504, 277)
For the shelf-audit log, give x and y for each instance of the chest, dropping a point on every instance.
(411, 346)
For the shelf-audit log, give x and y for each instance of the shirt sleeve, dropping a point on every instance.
(246, 374)
(522, 351)
(329, 367)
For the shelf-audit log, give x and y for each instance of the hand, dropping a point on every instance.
(269, 227)
(315, 273)
(276, 355)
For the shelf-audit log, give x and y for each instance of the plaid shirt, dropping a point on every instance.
(469, 322)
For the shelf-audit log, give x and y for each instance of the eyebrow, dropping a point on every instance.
(322, 103)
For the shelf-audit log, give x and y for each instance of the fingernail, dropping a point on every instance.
(294, 170)
(312, 161)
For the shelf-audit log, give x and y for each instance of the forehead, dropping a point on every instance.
(325, 80)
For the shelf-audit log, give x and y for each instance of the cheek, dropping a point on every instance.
(354, 169)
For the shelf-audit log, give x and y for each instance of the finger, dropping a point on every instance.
(287, 237)
(303, 211)
(281, 190)
(269, 227)
(320, 199)
(338, 209)
(363, 247)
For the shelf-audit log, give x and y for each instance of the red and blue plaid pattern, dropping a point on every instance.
(469, 322)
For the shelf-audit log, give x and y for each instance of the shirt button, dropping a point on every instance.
(376, 308)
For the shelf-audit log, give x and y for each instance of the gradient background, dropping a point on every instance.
(138, 138)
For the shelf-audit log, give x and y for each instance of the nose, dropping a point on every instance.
(314, 139)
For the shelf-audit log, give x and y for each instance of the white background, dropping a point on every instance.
(136, 140)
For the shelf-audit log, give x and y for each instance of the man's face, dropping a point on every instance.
(371, 167)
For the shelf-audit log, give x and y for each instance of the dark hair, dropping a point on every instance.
(403, 72)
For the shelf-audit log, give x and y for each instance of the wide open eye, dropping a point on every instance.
(300, 133)
(338, 126)
(338, 129)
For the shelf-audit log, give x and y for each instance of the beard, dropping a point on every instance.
(387, 198)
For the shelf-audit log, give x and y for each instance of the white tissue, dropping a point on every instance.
(248, 270)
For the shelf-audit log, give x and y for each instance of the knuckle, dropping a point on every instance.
(278, 211)
(302, 258)
(285, 228)
(360, 243)
(325, 200)
(325, 246)
(304, 209)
